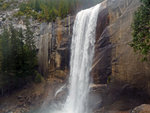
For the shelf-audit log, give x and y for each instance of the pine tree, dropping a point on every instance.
(141, 29)
(18, 58)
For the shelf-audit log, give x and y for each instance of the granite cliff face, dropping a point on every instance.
(113, 55)
(114, 59)
(54, 45)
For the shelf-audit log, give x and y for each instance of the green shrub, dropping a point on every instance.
(109, 79)
(141, 29)
(5, 6)
(18, 14)
(11, 4)
(38, 78)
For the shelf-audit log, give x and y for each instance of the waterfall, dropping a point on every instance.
(82, 51)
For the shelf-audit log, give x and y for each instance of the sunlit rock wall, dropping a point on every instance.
(114, 57)
(54, 45)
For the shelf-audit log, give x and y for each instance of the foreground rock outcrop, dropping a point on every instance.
(145, 108)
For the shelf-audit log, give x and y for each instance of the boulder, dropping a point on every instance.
(144, 108)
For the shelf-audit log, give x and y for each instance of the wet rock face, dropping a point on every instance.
(101, 64)
(113, 55)
(54, 45)
(63, 33)
(126, 64)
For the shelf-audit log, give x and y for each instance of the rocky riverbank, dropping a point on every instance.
(33, 95)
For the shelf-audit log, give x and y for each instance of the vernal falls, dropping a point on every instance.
(82, 51)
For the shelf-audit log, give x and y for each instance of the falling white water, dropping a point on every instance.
(82, 51)
(60, 89)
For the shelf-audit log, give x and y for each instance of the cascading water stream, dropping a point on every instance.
(82, 51)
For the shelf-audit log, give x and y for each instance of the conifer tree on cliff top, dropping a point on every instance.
(141, 29)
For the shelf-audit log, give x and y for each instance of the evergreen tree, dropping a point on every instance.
(49, 10)
(141, 29)
(18, 58)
